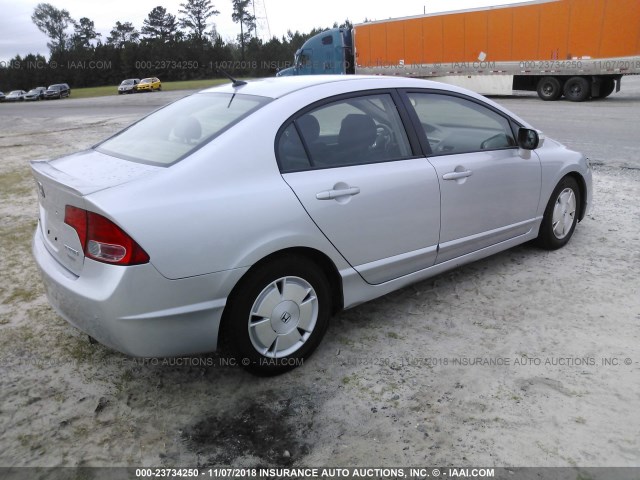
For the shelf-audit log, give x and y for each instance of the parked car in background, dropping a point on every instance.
(149, 84)
(2, 97)
(35, 94)
(291, 199)
(15, 96)
(58, 90)
(128, 86)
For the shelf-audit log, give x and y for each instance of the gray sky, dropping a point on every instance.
(18, 34)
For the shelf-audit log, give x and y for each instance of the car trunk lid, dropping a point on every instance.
(68, 181)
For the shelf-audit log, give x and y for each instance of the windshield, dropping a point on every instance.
(127, 82)
(170, 134)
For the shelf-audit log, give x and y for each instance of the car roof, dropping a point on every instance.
(277, 87)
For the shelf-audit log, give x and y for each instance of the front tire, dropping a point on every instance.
(560, 216)
(278, 315)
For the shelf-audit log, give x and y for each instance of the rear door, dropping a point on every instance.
(352, 166)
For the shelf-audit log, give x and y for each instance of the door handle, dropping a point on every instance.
(457, 175)
(333, 194)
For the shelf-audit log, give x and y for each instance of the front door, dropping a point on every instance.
(489, 193)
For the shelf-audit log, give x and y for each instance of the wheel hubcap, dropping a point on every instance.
(564, 213)
(283, 317)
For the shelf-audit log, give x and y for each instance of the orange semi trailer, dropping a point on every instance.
(576, 48)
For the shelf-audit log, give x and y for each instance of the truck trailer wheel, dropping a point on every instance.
(607, 87)
(549, 88)
(577, 89)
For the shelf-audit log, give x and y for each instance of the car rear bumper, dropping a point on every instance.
(136, 310)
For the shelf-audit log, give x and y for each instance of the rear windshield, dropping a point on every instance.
(177, 130)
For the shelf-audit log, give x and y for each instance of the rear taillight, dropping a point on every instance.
(103, 240)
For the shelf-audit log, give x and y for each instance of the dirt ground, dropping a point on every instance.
(527, 358)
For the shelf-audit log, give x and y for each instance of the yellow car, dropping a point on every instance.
(149, 84)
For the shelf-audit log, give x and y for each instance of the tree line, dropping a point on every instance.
(185, 46)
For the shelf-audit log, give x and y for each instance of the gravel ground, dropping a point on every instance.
(527, 358)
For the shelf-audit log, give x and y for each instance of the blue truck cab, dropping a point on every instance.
(329, 52)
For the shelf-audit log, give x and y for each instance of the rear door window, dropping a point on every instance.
(351, 131)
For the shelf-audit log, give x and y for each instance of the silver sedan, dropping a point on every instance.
(253, 212)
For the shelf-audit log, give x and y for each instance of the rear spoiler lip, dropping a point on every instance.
(64, 180)
(90, 171)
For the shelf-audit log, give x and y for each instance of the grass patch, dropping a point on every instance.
(194, 84)
(16, 339)
(125, 379)
(78, 349)
(16, 236)
(25, 439)
(108, 90)
(347, 380)
(21, 295)
(16, 182)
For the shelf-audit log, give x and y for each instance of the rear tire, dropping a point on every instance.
(560, 216)
(549, 89)
(278, 315)
(577, 89)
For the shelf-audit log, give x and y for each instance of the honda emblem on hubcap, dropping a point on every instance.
(285, 317)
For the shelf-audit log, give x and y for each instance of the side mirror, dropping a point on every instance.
(529, 139)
